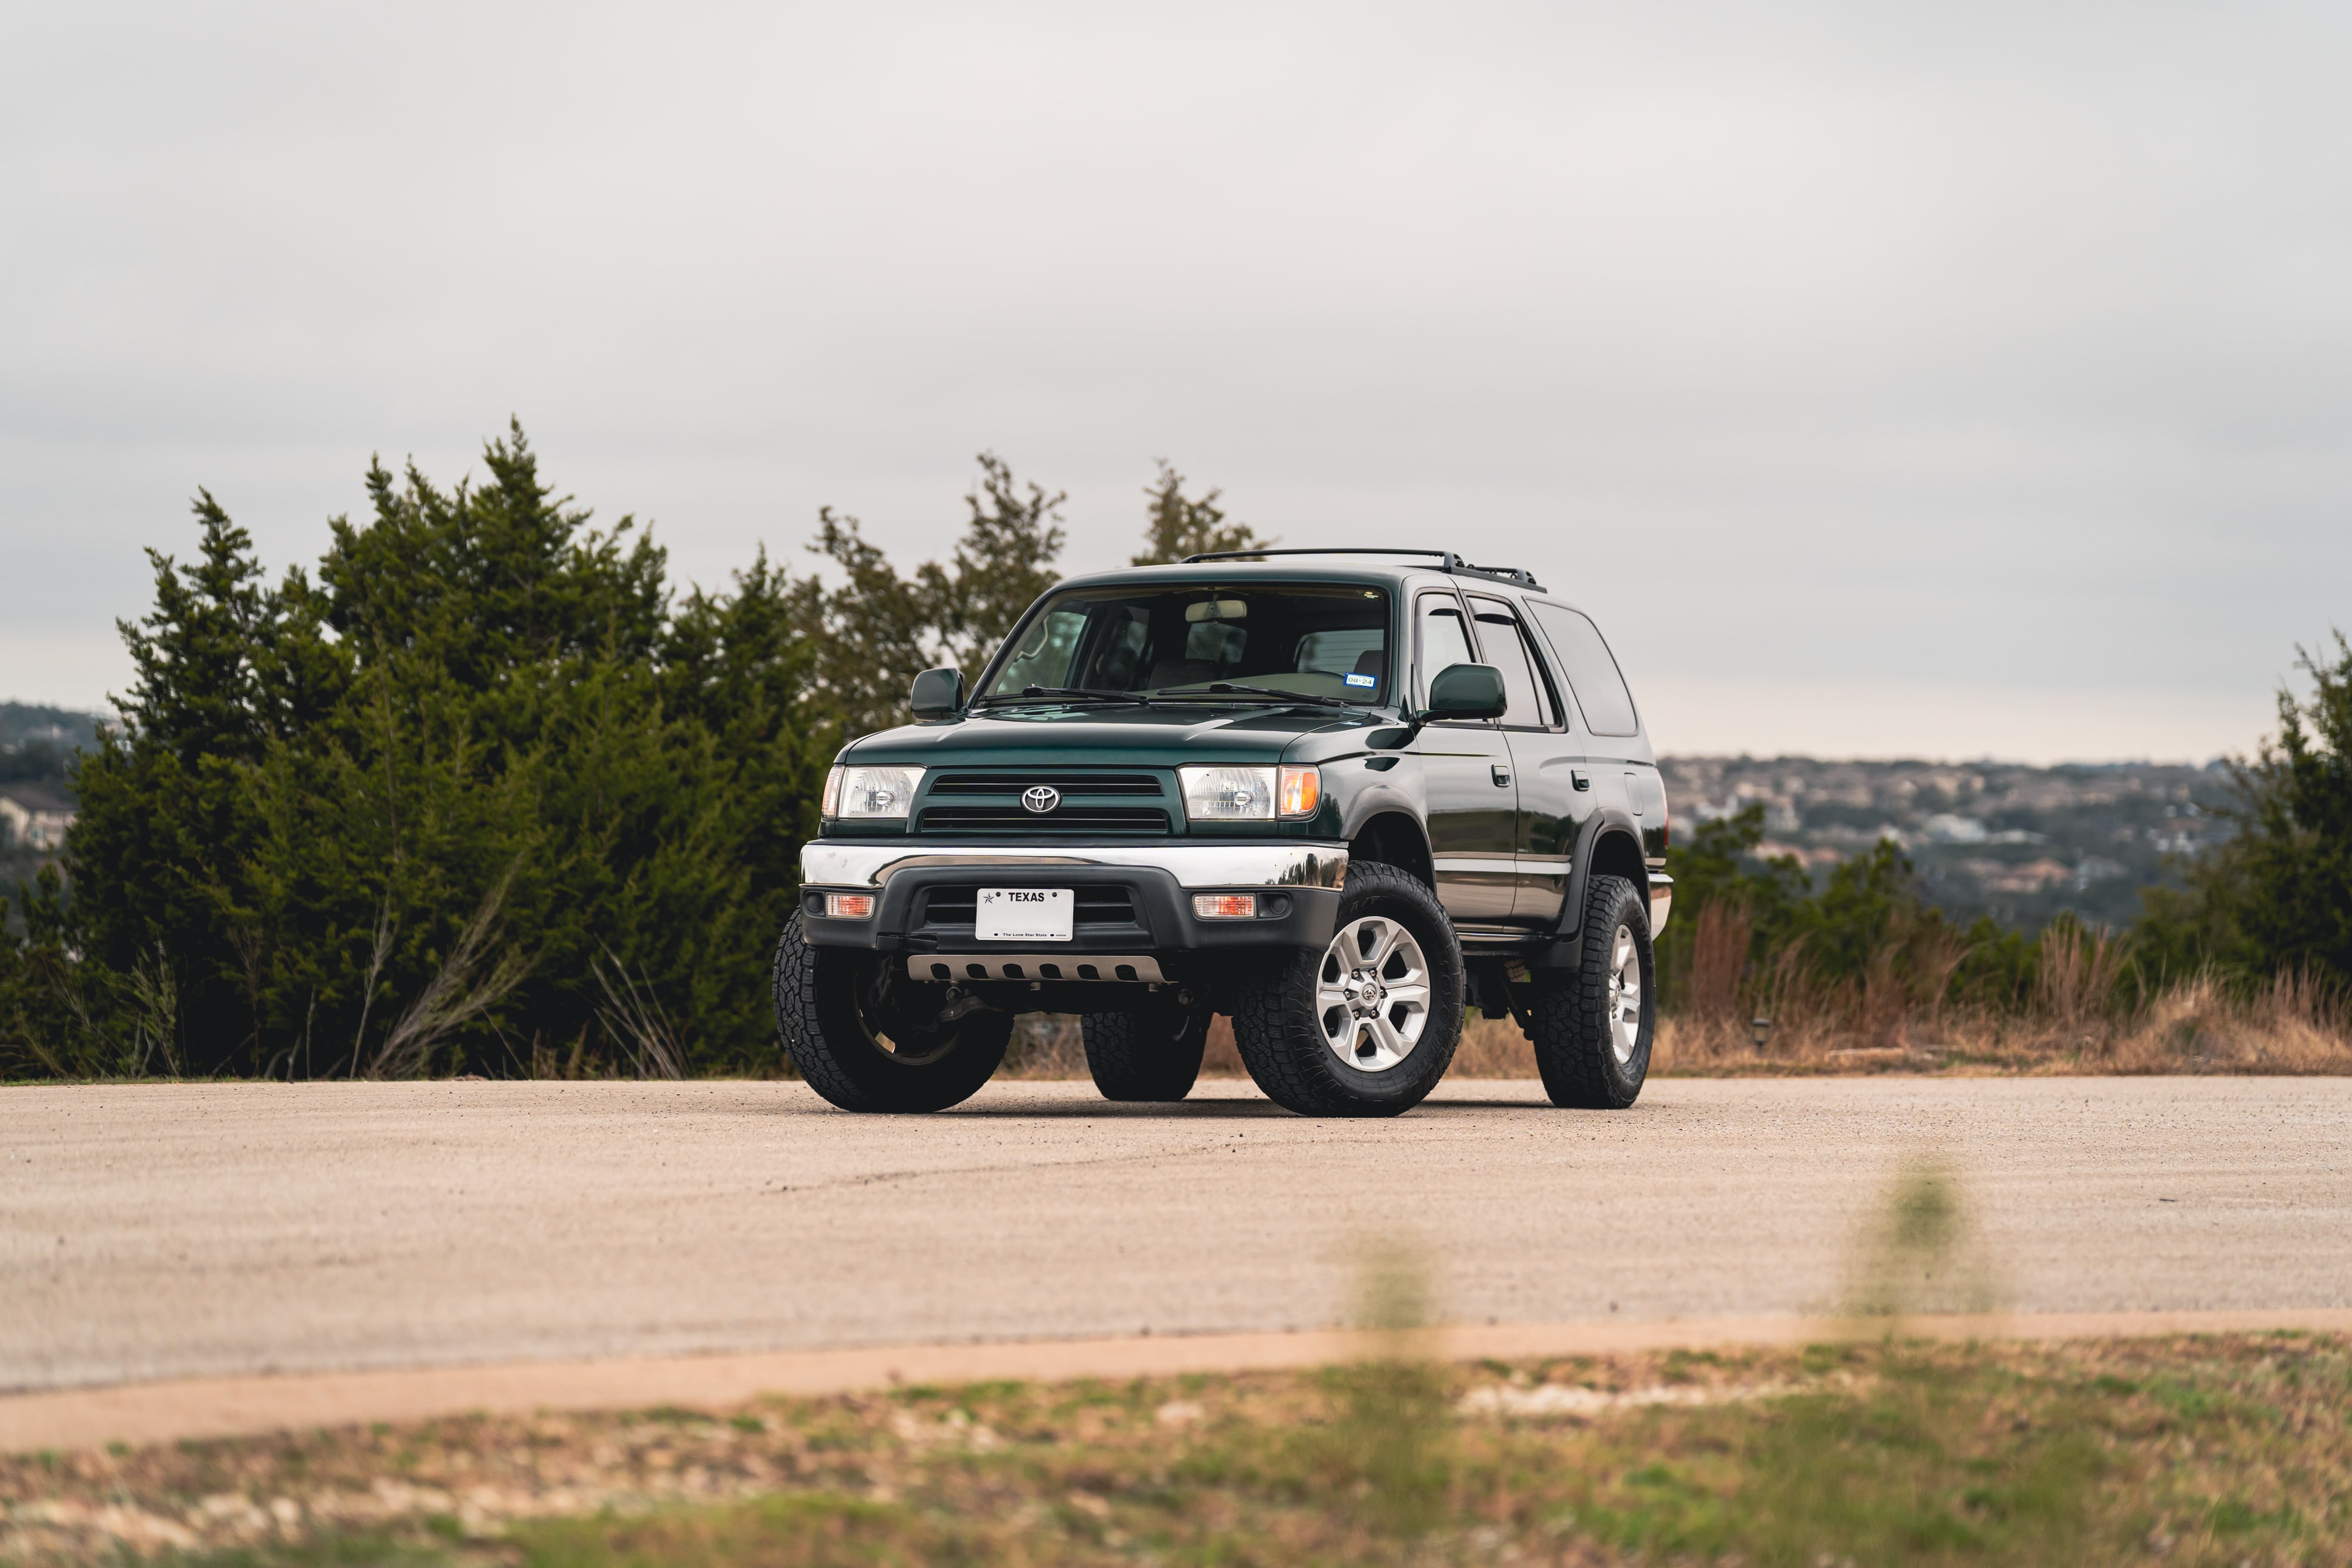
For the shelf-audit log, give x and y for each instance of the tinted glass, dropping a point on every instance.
(1313, 639)
(1443, 644)
(1592, 671)
(1499, 645)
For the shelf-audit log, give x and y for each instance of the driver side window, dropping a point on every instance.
(1444, 641)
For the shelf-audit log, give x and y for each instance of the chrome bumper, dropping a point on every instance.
(1662, 900)
(838, 864)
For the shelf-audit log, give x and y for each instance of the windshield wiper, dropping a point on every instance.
(1063, 694)
(1226, 688)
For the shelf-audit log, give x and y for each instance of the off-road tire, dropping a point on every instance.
(1147, 1057)
(1575, 1038)
(1278, 1032)
(826, 1001)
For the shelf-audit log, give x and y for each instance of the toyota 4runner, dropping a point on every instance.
(1339, 795)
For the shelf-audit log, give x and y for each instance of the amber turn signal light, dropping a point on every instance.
(1301, 791)
(849, 905)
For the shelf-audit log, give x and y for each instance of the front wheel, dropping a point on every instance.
(1593, 1029)
(869, 1038)
(1367, 1026)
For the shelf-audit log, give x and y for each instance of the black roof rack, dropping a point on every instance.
(1447, 561)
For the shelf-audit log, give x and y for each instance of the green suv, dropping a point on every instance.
(1339, 795)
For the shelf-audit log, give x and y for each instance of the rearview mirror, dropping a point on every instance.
(1466, 691)
(938, 694)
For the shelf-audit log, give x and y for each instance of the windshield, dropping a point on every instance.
(1328, 642)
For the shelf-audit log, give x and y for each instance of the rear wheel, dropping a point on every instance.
(1593, 1029)
(869, 1038)
(1152, 1056)
(1367, 1026)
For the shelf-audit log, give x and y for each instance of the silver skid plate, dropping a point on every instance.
(1136, 967)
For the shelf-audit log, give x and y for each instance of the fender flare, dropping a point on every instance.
(1389, 801)
(1602, 825)
(1383, 799)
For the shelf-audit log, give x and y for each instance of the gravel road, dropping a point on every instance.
(157, 1231)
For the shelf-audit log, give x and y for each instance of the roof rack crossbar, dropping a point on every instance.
(1447, 561)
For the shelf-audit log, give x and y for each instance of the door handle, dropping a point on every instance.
(1575, 777)
(1502, 776)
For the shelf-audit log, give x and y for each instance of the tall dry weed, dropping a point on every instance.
(1792, 993)
(2294, 1023)
(2078, 982)
(1719, 967)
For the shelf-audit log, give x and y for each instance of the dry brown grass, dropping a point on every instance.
(2293, 1025)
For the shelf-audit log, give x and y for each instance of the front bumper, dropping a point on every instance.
(1202, 867)
(1142, 896)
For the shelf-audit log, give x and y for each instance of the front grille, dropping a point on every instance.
(960, 906)
(1063, 820)
(960, 783)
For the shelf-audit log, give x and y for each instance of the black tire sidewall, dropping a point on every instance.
(1574, 1042)
(1282, 1037)
(1626, 1078)
(818, 1017)
(1146, 1057)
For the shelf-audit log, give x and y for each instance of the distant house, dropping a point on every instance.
(2033, 877)
(34, 817)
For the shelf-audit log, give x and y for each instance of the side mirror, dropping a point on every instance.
(1466, 691)
(938, 694)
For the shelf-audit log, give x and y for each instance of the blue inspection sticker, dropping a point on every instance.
(1367, 682)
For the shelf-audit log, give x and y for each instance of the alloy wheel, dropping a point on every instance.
(1371, 994)
(1624, 995)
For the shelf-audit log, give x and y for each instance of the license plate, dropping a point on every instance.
(1026, 914)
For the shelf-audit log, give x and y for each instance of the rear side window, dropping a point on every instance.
(1591, 670)
(1500, 640)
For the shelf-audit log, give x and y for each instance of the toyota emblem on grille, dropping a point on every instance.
(1041, 798)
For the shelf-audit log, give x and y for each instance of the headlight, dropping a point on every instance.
(1228, 794)
(872, 794)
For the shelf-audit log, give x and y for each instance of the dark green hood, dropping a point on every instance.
(1117, 738)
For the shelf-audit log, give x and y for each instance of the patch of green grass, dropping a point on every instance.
(805, 1530)
(673, 1416)
(2208, 1452)
(353, 1549)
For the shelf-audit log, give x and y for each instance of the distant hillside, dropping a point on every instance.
(38, 742)
(23, 722)
(2016, 842)
(36, 748)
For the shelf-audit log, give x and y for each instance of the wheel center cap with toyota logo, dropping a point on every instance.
(1041, 798)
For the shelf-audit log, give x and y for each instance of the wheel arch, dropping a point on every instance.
(1394, 838)
(1611, 845)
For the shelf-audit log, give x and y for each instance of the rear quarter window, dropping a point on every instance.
(1590, 668)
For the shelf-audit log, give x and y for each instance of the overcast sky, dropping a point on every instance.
(1952, 380)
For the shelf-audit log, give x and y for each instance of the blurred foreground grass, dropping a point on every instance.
(2218, 1450)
